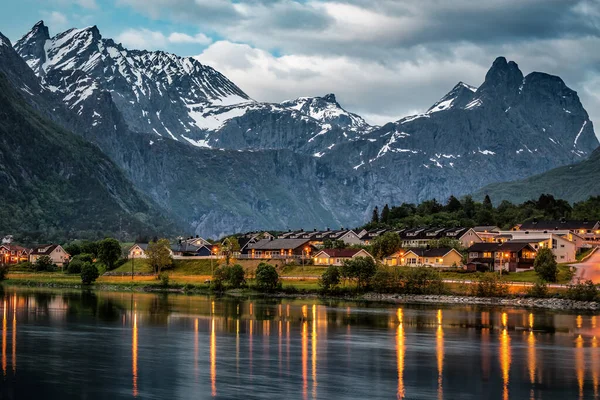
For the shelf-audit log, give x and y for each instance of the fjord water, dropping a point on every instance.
(73, 344)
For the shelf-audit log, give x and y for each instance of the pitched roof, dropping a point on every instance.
(486, 228)
(43, 250)
(424, 252)
(514, 246)
(341, 252)
(479, 247)
(557, 225)
(277, 244)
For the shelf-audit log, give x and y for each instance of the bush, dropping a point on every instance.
(25, 266)
(539, 290)
(330, 279)
(423, 281)
(219, 277)
(89, 273)
(236, 276)
(75, 266)
(44, 263)
(3, 272)
(586, 291)
(85, 257)
(490, 285)
(267, 278)
(545, 265)
(164, 279)
(360, 269)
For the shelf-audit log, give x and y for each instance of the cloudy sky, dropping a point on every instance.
(384, 59)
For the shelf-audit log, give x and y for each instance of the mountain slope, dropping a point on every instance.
(574, 183)
(302, 163)
(57, 186)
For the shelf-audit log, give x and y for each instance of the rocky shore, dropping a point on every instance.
(548, 303)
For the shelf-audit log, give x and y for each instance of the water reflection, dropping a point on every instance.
(4, 338)
(134, 355)
(579, 361)
(440, 357)
(505, 358)
(322, 349)
(213, 358)
(314, 350)
(400, 351)
(531, 360)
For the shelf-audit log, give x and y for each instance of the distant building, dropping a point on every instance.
(588, 230)
(280, 248)
(440, 257)
(338, 256)
(57, 254)
(13, 254)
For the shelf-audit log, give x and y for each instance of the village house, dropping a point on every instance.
(510, 256)
(338, 256)
(280, 248)
(487, 233)
(57, 254)
(481, 256)
(13, 254)
(563, 249)
(588, 230)
(440, 257)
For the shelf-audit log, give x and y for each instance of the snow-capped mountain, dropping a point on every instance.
(178, 97)
(204, 151)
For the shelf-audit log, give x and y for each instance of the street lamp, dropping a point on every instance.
(132, 263)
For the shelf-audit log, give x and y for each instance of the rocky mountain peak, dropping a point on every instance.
(503, 80)
(330, 98)
(460, 95)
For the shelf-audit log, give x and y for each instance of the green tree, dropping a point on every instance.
(3, 272)
(330, 279)
(230, 246)
(487, 203)
(44, 263)
(109, 252)
(468, 207)
(236, 276)
(582, 291)
(360, 270)
(375, 217)
(453, 204)
(219, 278)
(385, 214)
(75, 266)
(327, 244)
(158, 255)
(446, 242)
(545, 265)
(89, 274)
(386, 244)
(73, 248)
(267, 278)
(89, 247)
(490, 285)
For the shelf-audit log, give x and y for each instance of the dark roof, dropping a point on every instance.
(340, 252)
(557, 225)
(142, 246)
(478, 247)
(186, 248)
(486, 228)
(44, 249)
(277, 244)
(424, 252)
(514, 246)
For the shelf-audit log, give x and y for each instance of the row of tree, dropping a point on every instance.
(468, 213)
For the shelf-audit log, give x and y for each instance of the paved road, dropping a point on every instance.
(589, 269)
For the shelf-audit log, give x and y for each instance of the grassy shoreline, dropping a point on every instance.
(457, 293)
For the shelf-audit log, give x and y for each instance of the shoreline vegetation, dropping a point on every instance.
(414, 286)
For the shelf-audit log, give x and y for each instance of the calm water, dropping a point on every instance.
(113, 345)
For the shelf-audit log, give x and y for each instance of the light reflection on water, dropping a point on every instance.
(158, 346)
